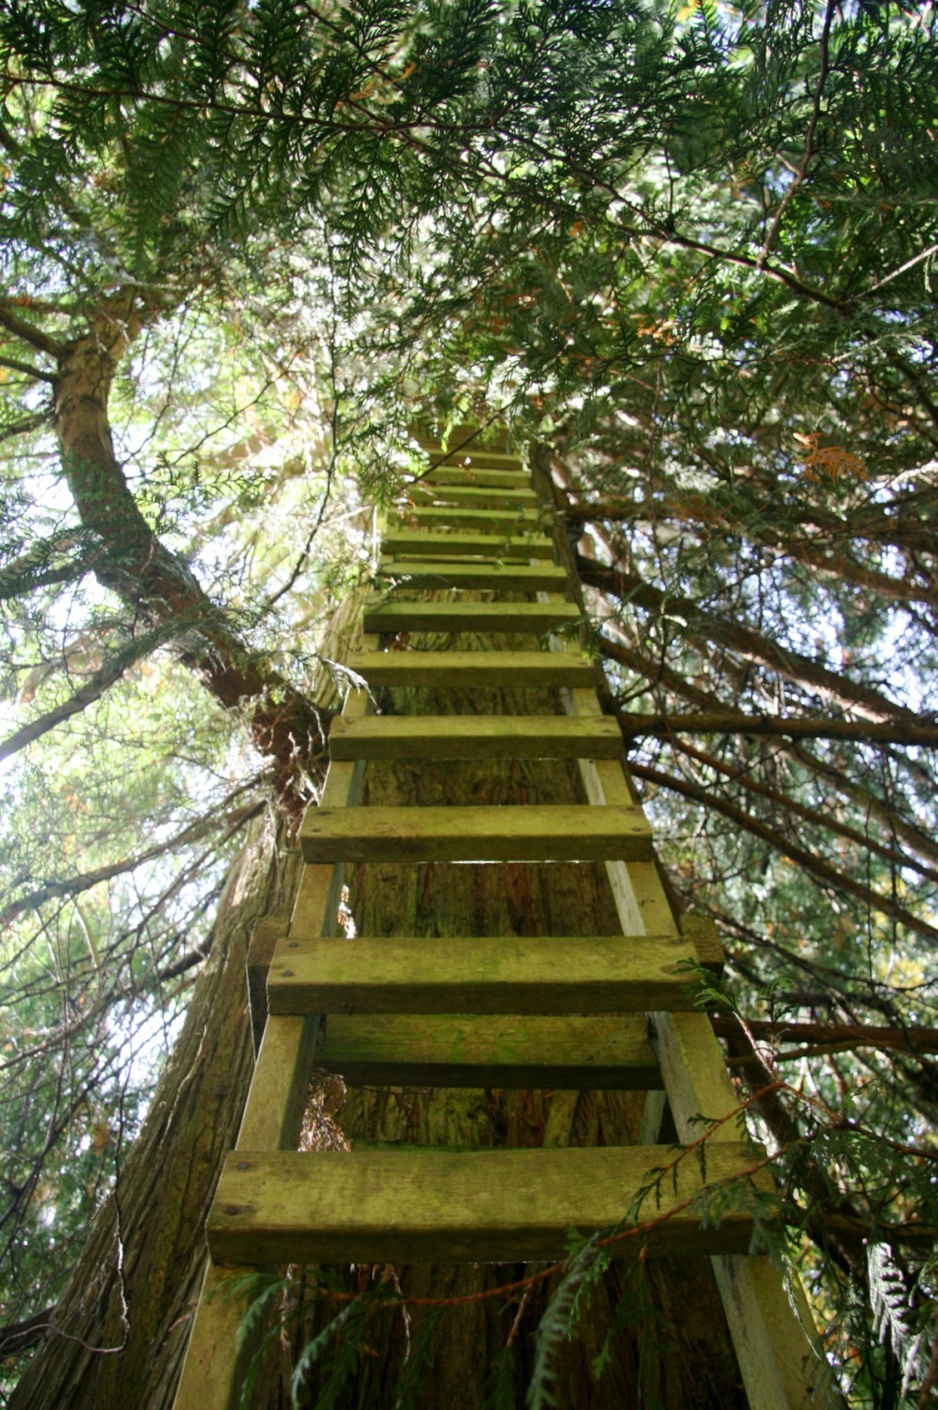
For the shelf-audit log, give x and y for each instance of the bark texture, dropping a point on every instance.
(118, 1334)
(157, 585)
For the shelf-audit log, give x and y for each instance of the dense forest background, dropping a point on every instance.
(689, 252)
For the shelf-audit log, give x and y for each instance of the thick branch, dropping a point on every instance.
(29, 333)
(153, 581)
(751, 645)
(814, 866)
(899, 528)
(636, 726)
(906, 1040)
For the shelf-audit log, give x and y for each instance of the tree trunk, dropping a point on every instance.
(118, 1333)
(132, 562)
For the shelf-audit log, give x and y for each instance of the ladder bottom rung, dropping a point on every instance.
(511, 1051)
(422, 1205)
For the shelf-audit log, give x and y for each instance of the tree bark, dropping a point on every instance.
(155, 583)
(117, 1335)
(663, 726)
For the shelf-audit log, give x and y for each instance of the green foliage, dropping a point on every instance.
(692, 247)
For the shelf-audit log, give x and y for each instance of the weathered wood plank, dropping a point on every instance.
(471, 668)
(552, 832)
(475, 474)
(476, 1050)
(412, 543)
(774, 1335)
(493, 576)
(472, 496)
(407, 1206)
(474, 737)
(482, 520)
(483, 974)
(470, 616)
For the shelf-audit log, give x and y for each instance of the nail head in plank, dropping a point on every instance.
(466, 669)
(491, 974)
(523, 832)
(477, 1050)
(423, 1205)
(469, 616)
(474, 737)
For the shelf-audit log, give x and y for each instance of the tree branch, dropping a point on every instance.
(814, 866)
(662, 726)
(30, 334)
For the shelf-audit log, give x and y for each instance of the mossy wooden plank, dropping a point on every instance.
(490, 520)
(534, 617)
(474, 737)
(475, 474)
(478, 1050)
(471, 668)
(483, 974)
(412, 543)
(494, 576)
(425, 1205)
(523, 832)
(473, 496)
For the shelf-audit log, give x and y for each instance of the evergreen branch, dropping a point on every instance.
(85, 881)
(802, 171)
(664, 726)
(633, 590)
(30, 334)
(814, 866)
(35, 374)
(96, 685)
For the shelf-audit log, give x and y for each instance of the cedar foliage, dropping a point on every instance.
(693, 250)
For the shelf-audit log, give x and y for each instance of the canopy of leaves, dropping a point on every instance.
(692, 249)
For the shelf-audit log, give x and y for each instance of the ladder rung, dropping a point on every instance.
(464, 450)
(537, 617)
(493, 576)
(490, 974)
(516, 833)
(467, 669)
(427, 543)
(477, 475)
(475, 737)
(422, 1205)
(476, 1050)
(484, 520)
(472, 496)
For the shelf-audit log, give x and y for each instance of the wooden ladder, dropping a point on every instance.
(562, 1012)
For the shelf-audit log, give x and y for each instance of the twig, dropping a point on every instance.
(809, 137)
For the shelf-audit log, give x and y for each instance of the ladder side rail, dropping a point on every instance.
(216, 1364)
(770, 1323)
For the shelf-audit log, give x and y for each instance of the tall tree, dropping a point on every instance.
(694, 250)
